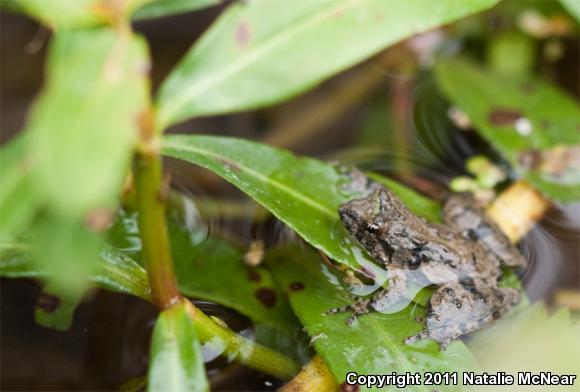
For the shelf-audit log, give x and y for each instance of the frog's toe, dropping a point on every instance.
(358, 308)
(443, 344)
(419, 336)
(339, 309)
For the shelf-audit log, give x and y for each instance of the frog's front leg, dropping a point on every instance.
(383, 301)
(456, 310)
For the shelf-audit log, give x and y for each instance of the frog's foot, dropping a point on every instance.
(443, 343)
(358, 308)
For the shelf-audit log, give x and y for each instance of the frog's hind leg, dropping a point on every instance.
(358, 308)
(456, 310)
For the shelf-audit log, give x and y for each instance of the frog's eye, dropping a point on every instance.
(371, 228)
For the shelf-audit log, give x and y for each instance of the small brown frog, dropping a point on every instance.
(461, 257)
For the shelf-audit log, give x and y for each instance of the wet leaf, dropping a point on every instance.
(520, 118)
(55, 309)
(215, 271)
(375, 343)
(59, 14)
(113, 271)
(262, 52)
(161, 8)
(176, 362)
(302, 192)
(209, 268)
(84, 124)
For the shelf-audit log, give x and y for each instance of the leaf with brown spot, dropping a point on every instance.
(296, 286)
(266, 296)
(502, 117)
(213, 270)
(254, 276)
(261, 52)
(494, 102)
(375, 342)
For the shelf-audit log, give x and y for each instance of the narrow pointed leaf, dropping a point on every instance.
(19, 199)
(264, 51)
(176, 362)
(161, 8)
(59, 14)
(84, 124)
(302, 192)
(374, 344)
(67, 249)
(113, 271)
(532, 123)
(573, 6)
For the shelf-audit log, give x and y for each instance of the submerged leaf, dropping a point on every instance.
(302, 192)
(375, 343)
(176, 362)
(531, 123)
(264, 51)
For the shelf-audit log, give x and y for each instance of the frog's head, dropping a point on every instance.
(359, 215)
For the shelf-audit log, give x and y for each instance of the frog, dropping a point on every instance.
(462, 257)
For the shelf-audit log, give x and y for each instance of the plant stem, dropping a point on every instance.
(243, 350)
(314, 377)
(153, 229)
(151, 198)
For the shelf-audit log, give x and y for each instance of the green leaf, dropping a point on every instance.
(418, 204)
(302, 192)
(113, 271)
(209, 268)
(59, 14)
(375, 343)
(495, 105)
(264, 51)
(511, 53)
(161, 8)
(67, 249)
(118, 272)
(176, 362)
(55, 309)
(84, 124)
(573, 7)
(530, 340)
(19, 199)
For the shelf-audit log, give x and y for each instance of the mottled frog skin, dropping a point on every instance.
(462, 257)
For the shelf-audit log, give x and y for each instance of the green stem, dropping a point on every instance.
(151, 200)
(153, 229)
(243, 350)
